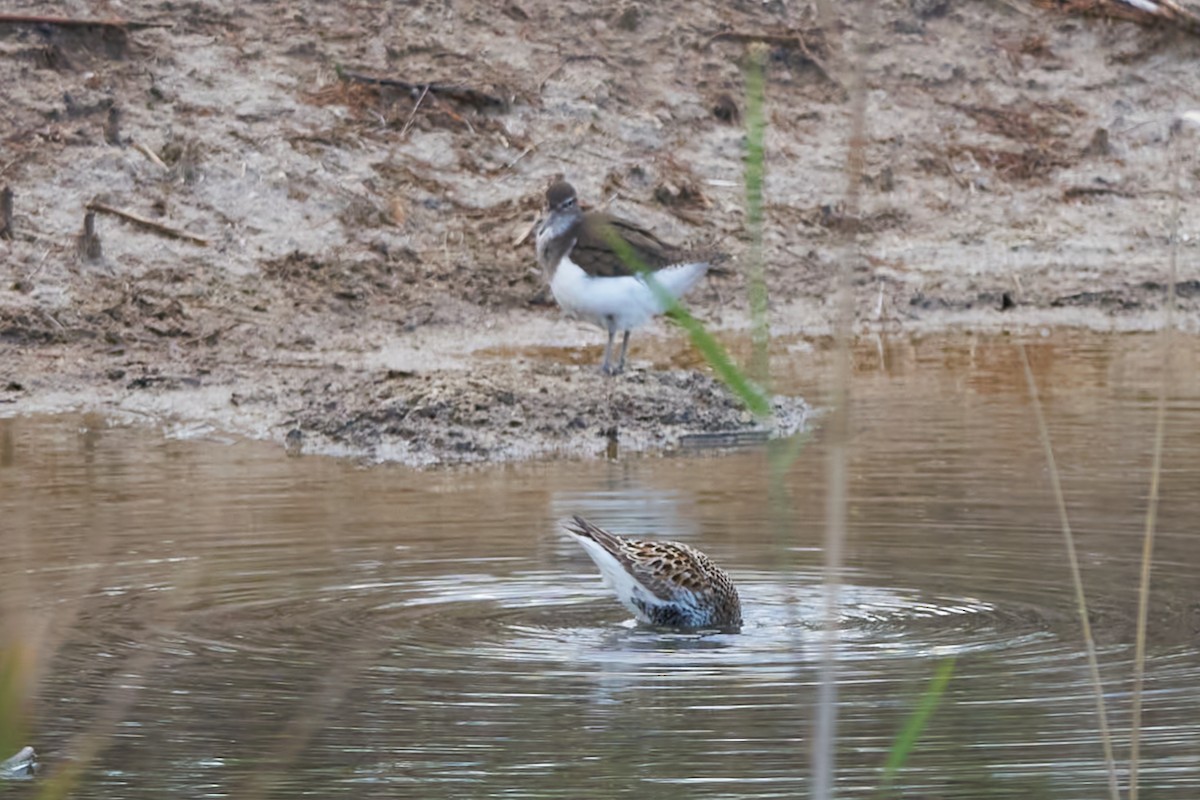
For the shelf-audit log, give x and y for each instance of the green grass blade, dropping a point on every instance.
(760, 331)
(12, 718)
(754, 397)
(783, 453)
(907, 738)
(722, 364)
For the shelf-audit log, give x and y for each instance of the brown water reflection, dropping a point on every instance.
(210, 618)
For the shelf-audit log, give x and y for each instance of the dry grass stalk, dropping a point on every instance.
(1160, 424)
(1076, 576)
(824, 768)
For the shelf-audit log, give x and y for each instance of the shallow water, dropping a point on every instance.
(205, 618)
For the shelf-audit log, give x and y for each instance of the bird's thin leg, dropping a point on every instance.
(605, 368)
(624, 350)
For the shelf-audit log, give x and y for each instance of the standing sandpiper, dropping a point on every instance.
(662, 583)
(592, 280)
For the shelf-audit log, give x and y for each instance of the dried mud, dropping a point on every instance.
(360, 278)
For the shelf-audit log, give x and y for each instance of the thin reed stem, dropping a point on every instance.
(314, 712)
(1114, 789)
(1160, 424)
(824, 766)
(760, 329)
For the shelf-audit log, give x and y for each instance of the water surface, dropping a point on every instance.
(203, 618)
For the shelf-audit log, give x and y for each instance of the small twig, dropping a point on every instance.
(1073, 192)
(200, 337)
(546, 79)
(157, 227)
(524, 234)
(789, 39)
(962, 182)
(1143, 12)
(148, 153)
(65, 22)
(41, 263)
(463, 94)
(413, 115)
(379, 116)
(52, 318)
(1012, 5)
(524, 153)
(586, 57)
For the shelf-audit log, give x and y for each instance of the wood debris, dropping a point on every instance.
(1143, 12)
(149, 224)
(66, 22)
(463, 94)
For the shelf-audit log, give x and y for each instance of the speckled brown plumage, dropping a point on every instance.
(663, 583)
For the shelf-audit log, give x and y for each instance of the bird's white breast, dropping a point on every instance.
(625, 300)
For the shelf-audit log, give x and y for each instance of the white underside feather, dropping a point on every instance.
(618, 303)
(617, 578)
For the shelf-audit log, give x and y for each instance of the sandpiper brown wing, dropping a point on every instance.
(594, 254)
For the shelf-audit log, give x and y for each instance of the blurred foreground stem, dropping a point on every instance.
(760, 330)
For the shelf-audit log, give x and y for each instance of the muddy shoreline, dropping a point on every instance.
(360, 280)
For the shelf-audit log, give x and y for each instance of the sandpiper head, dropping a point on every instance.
(561, 197)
